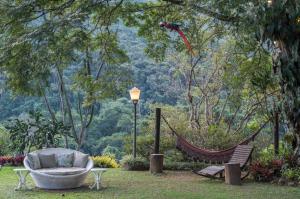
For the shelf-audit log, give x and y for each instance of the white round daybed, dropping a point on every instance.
(58, 177)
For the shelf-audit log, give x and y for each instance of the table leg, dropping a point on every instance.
(97, 182)
(22, 180)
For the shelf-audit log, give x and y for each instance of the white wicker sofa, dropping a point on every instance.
(57, 177)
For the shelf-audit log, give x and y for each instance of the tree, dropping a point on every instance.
(42, 40)
(35, 131)
(273, 25)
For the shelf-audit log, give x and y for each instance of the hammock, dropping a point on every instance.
(199, 154)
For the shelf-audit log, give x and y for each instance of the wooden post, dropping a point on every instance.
(157, 130)
(233, 174)
(156, 159)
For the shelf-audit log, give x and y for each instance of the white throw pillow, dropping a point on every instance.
(80, 160)
(34, 161)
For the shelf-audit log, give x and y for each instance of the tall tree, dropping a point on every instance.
(42, 40)
(273, 24)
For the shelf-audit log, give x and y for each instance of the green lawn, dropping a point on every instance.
(129, 184)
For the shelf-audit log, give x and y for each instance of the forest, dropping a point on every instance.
(66, 68)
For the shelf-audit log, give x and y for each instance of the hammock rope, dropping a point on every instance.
(200, 154)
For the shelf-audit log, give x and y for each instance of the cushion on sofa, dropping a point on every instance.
(34, 161)
(65, 160)
(80, 160)
(62, 171)
(47, 161)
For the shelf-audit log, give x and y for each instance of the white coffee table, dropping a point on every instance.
(22, 174)
(98, 174)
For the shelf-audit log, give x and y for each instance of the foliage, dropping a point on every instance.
(264, 27)
(134, 164)
(35, 131)
(12, 160)
(115, 117)
(145, 145)
(267, 154)
(4, 141)
(267, 166)
(140, 163)
(96, 146)
(105, 161)
(174, 155)
(112, 152)
(292, 174)
(184, 166)
(232, 85)
(266, 172)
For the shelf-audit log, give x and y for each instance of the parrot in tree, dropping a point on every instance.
(175, 27)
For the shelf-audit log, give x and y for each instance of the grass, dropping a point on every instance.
(132, 184)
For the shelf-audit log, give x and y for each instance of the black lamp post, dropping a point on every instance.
(135, 96)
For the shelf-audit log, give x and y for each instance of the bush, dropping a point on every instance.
(268, 166)
(266, 171)
(186, 166)
(145, 145)
(112, 152)
(12, 161)
(4, 141)
(261, 172)
(174, 155)
(292, 174)
(134, 164)
(35, 131)
(105, 161)
(141, 164)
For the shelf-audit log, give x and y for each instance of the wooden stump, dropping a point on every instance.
(233, 174)
(156, 163)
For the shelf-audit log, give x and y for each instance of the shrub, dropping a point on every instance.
(184, 165)
(105, 161)
(112, 152)
(174, 155)
(141, 164)
(145, 145)
(35, 131)
(4, 141)
(134, 164)
(10, 160)
(266, 171)
(261, 172)
(292, 174)
(18, 160)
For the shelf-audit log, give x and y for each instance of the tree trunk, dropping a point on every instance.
(68, 106)
(288, 61)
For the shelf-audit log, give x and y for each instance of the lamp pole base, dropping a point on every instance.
(156, 163)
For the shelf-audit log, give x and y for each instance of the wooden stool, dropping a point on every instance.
(233, 174)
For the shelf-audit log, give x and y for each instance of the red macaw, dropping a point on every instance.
(174, 26)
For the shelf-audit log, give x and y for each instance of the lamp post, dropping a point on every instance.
(135, 96)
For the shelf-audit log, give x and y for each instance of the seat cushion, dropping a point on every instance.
(47, 161)
(62, 171)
